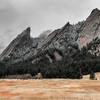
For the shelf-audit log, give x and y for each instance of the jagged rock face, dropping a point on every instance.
(90, 29)
(21, 48)
(60, 42)
(72, 35)
(69, 37)
(64, 39)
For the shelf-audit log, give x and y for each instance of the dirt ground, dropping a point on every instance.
(50, 89)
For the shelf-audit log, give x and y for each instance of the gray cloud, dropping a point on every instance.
(7, 14)
(16, 15)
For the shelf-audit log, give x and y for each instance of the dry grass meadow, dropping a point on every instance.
(50, 89)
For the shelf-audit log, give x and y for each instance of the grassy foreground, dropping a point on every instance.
(50, 89)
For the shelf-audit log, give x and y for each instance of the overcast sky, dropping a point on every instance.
(40, 15)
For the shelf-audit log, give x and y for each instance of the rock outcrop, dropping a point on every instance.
(69, 37)
(90, 29)
(66, 40)
(21, 48)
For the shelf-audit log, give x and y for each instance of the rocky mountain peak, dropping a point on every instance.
(91, 28)
(25, 34)
(94, 11)
(21, 48)
(22, 39)
(94, 14)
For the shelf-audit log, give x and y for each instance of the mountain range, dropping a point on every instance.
(61, 42)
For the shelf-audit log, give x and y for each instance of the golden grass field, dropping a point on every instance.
(50, 89)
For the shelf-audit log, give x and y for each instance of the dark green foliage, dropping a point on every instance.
(81, 63)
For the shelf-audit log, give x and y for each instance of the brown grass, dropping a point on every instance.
(50, 89)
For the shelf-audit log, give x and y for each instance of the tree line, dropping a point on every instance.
(81, 63)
